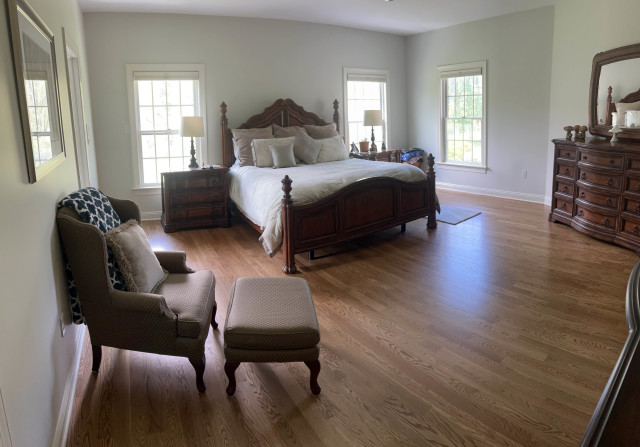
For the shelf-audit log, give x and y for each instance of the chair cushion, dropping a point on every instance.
(271, 313)
(191, 297)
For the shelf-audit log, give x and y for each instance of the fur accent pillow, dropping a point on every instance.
(306, 148)
(282, 155)
(333, 149)
(137, 261)
(243, 139)
(283, 132)
(262, 154)
(321, 132)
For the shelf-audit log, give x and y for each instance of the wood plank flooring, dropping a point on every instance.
(499, 331)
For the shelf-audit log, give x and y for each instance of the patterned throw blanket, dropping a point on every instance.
(94, 208)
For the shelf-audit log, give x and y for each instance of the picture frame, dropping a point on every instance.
(34, 61)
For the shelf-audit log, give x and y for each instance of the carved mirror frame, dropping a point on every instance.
(34, 59)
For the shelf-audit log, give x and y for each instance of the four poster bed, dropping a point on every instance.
(322, 204)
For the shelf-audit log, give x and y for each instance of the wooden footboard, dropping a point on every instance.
(362, 208)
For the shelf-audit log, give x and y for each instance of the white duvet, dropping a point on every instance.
(258, 191)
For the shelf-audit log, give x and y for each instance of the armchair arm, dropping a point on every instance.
(126, 209)
(173, 261)
(141, 302)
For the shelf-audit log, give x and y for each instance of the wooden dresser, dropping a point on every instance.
(194, 199)
(596, 189)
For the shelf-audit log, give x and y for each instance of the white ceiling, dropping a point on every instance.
(403, 17)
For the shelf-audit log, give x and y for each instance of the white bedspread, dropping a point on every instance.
(258, 191)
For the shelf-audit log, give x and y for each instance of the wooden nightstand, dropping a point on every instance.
(195, 198)
(392, 156)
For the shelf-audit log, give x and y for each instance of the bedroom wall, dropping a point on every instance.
(582, 29)
(248, 64)
(36, 363)
(517, 48)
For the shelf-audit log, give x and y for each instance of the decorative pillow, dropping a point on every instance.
(261, 153)
(333, 149)
(243, 138)
(622, 108)
(633, 118)
(283, 132)
(306, 148)
(140, 267)
(282, 155)
(321, 132)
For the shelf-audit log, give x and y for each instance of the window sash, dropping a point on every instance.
(357, 102)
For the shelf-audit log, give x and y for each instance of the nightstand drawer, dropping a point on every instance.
(185, 183)
(197, 197)
(198, 212)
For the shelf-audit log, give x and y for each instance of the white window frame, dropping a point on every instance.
(159, 70)
(455, 70)
(379, 76)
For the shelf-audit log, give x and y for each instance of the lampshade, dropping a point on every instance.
(373, 118)
(192, 126)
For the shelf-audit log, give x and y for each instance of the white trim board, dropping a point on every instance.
(524, 197)
(150, 215)
(66, 407)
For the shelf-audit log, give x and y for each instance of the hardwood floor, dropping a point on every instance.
(501, 330)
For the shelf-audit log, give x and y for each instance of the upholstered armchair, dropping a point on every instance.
(173, 320)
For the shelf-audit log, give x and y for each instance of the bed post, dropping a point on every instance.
(608, 118)
(336, 115)
(431, 193)
(289, 265)
(224, 136)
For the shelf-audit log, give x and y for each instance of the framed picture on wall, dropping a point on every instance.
(34, 61)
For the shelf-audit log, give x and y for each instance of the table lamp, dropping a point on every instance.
(373, 118)
(192, 126)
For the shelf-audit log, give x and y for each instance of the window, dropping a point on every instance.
(463, 137)
(159, 96)
(39, 122)
(365, 90)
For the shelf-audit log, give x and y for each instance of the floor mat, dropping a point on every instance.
(453, 215)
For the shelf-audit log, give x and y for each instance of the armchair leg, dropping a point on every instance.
(314, 367)
(97, 357)
(213, 316)
(230, 370)
(198, 365)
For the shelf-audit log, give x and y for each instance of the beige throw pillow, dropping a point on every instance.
(140, 268)
(262, 154)
(333, 149)
(282, 155)
(283, 132)
(243, 139)
(306, 148)
(321, 132)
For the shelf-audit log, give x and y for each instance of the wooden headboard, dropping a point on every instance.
(283, 112)
(611, 107)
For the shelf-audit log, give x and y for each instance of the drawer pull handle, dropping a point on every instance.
(565, 188)
(610, 181)
(606, 221)
(607, 202)
(580, 213)
(583, 176)
(566, 171)
(584, 157)
(568, 154)
(582, 194)
(563, 206)
(634, 230)
(611, 162)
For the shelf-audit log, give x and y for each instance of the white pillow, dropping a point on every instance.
(622, 108)
(633, 118)
(140, 268)
(262, 157)
(283, 155)
(333, 149)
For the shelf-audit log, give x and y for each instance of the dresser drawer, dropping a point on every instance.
(566, 170)
(604, 221)
(564, 188)
(198, 212)
(602, 159)
(630, 227)
(632, 184)
(610, 201)
(563, 205)
(633, 163)
(566, 153)
(632, 206)
(188, 182)
(206, 196)
(605, 179)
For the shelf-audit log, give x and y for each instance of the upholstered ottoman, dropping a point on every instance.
(271, 320)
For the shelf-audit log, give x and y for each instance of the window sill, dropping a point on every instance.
(467, 168)
(147, 191)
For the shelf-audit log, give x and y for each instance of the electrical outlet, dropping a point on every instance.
(524, 174)
(62, 327)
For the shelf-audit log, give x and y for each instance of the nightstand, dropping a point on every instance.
(194, 199)
(392, 156)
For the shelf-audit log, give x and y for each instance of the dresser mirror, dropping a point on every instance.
(615, 78)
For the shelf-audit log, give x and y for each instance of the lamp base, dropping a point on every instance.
(193, 163)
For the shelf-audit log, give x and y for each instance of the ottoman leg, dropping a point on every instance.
(198, 365)
(213, 316)
(314, 367)
(230, 371)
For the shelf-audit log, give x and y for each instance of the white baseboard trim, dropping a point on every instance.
(150, 215)
(66, 407)
(535, 198)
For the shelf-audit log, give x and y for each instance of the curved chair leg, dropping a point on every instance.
(97, 357)
(314, 367)
(198, 365)
(213, 316)
(230, 371)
